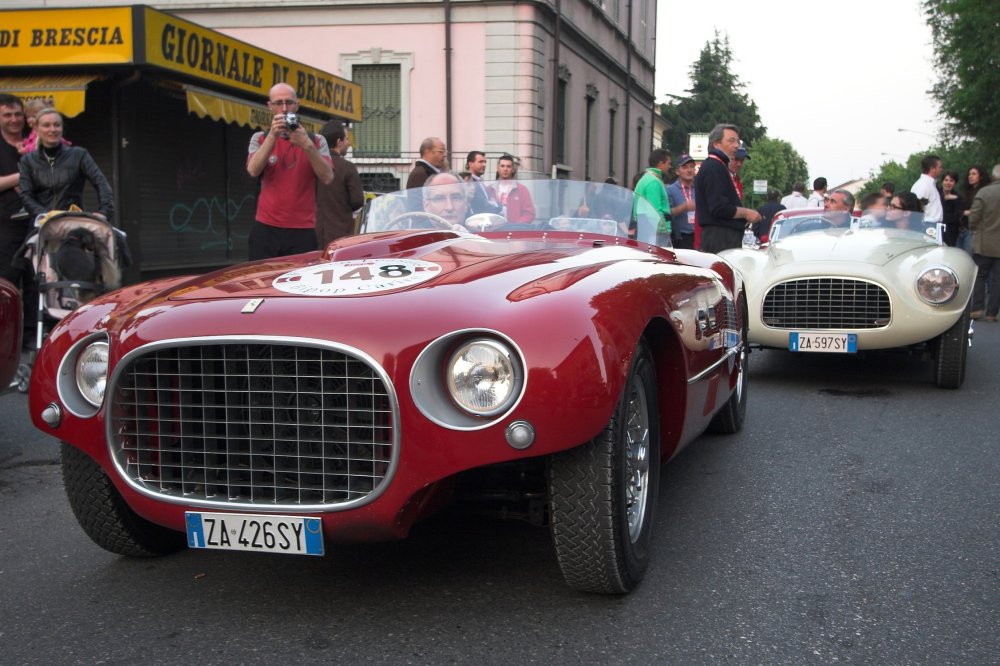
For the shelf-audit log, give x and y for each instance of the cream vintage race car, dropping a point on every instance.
(850, 284)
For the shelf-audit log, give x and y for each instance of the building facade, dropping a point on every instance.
(566, 86)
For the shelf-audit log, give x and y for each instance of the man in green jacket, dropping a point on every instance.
(652, 188)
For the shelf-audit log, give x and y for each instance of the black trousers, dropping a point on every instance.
(13, 233)
(266, 241)
(716, 239)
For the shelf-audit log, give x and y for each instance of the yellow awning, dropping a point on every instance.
(65, 92)
(217, 106)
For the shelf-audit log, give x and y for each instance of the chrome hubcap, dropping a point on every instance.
(636, 459)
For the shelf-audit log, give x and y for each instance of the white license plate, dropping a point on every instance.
(263, 533)
(838, 343)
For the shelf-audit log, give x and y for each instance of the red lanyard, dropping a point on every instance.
(731, 176)
(686, 191)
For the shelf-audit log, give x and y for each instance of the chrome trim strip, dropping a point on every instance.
(712, 368)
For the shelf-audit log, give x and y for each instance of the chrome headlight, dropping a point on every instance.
(92, 372)
(937, 285)
(481, 377)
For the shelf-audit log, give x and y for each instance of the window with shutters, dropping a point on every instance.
(379, 132)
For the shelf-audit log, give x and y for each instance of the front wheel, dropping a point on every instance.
(602, 495)
(104, 515)
(951, 353)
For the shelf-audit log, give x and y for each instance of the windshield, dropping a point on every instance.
(487, 207)
(893, 221)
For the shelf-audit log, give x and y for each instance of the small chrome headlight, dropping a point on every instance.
(92, 372)
(481, 377)
(937, 285)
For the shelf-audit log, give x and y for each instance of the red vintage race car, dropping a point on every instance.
(10, 334)
(439, 356)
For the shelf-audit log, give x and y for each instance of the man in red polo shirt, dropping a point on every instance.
(288, 160)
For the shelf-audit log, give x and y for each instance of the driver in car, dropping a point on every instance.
(838, 206)
(447, 196)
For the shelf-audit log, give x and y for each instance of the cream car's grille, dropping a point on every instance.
(826, 303)
(276, 425)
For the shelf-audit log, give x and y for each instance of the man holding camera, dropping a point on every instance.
(288, 160)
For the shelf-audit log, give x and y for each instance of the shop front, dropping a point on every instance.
(167, 108)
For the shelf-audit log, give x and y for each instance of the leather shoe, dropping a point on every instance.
(977, 314)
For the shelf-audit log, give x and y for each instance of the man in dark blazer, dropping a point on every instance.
(337, 201)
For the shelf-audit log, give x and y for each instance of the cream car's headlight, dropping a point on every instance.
(937, 285)
(92, 372)
(481, 377)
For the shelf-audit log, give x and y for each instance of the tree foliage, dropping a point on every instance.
(966, 38)
(716, 96)
(775, 161)
(954, 157)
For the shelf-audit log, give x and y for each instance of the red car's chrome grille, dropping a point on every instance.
(276, 425)
(826, 303)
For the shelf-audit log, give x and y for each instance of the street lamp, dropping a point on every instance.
(903, 129)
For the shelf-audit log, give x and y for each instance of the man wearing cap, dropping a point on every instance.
(720, 212)
(681, 195)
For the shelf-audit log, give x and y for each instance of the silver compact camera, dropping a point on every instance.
(292, 121)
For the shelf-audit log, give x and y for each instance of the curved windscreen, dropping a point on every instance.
(516, 205)
(893, 221)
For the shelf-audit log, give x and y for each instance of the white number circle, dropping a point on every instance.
(354, 278)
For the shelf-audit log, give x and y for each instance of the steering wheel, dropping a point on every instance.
(407, 220)
(485, 221)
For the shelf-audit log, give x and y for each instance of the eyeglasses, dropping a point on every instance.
(283, 102)
(893, 206)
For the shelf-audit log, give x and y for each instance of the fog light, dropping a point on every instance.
(520, 434)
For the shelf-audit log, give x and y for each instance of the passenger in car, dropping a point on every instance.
(905, 211)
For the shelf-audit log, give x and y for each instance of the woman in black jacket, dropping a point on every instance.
(53, 175)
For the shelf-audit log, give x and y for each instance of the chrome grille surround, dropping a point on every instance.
(826, 303)
(253, 422)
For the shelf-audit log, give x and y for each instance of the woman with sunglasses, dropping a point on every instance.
(905, 212)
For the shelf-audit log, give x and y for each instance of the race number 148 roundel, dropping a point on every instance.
(354, 278)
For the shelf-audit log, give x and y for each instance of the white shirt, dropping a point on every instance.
(815, 201)
(794, 200)
(926, 188)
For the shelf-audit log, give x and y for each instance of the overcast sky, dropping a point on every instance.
(836, 82)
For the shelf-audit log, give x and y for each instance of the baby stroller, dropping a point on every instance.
(75, 257)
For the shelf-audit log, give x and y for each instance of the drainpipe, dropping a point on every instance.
(628, 93)
(447, 74)
(557, 35)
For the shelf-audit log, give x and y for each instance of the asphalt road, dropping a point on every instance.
(854, 520)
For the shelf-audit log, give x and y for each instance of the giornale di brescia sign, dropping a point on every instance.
(140, 35)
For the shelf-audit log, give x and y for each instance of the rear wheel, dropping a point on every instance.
(602, 495)
(103, 514)
(952, 350)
